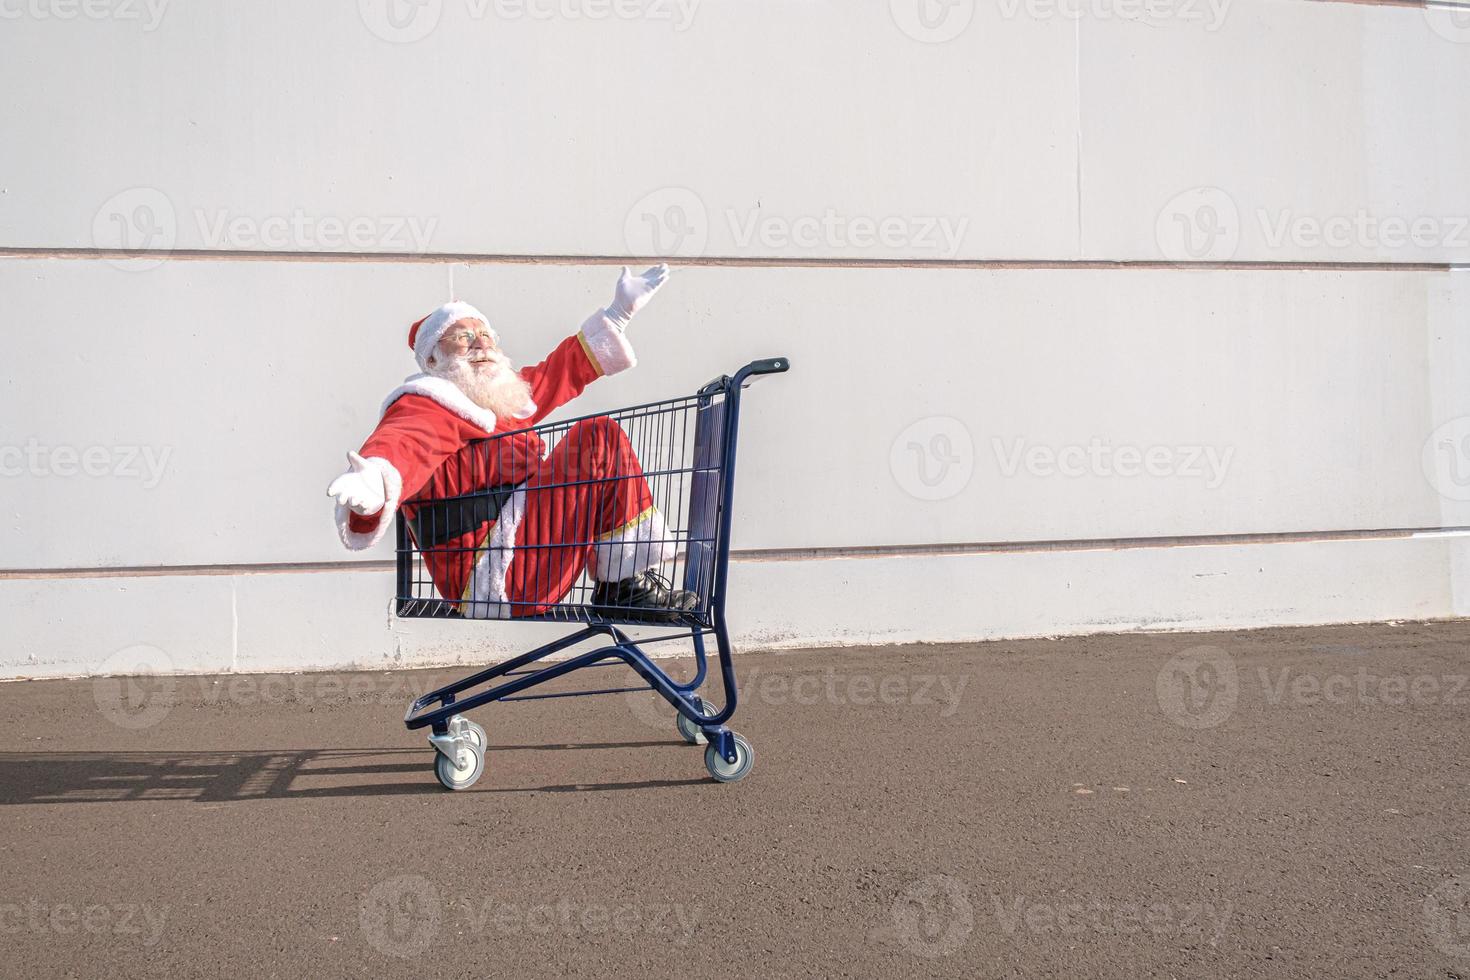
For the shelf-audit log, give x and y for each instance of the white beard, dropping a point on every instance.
(495, 386)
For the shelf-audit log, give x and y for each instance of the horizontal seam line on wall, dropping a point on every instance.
(1381, 3)
(481, 258)
(792, 554)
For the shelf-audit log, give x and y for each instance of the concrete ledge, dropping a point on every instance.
(336, 620)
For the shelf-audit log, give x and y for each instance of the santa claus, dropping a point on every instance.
(505, 528)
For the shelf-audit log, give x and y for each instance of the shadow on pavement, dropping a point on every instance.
(223, 777)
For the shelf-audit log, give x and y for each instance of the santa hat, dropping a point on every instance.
(425, 334)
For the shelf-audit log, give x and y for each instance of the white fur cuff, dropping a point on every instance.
(392, 489)
(484, 595)
(633, 548)
(606, 345)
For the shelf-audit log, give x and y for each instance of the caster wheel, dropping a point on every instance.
(689, 729)
(454, 778)
(726, 772)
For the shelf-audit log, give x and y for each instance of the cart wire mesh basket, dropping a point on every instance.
(598, 497)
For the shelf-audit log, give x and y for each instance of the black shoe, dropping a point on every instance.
(646, 596)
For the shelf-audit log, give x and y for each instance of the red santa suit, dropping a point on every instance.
(584, 501)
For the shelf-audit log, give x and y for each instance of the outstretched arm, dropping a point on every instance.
(411, 441)
(599, 348)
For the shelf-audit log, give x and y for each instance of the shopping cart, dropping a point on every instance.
(686, 450)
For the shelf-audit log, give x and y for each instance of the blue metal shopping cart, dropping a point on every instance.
(687, 450)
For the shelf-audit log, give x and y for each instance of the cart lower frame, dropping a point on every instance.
(622, 649)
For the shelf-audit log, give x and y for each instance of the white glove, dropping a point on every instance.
(360, 488)
(633, 293)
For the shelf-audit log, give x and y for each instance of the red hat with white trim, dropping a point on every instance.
(425, 334)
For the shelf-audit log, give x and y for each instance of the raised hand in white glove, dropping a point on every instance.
(633, 293)
(360, 488)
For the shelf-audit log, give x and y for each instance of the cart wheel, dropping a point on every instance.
(452, 778)
(723, 771)
(689, 729)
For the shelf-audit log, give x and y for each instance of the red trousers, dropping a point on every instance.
(587, 501)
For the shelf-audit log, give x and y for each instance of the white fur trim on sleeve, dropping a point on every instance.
(392, 489)
(606, 344)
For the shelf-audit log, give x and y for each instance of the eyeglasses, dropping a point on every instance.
(465, 338)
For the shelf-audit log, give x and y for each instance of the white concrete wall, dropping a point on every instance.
(996, 383)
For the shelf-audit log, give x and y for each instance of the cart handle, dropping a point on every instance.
(766, 365)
